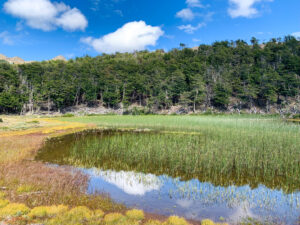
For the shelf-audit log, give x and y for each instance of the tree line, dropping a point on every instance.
(213, 75)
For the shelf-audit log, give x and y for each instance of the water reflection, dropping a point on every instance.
(130, 182)
(212, 194)
(193, 199)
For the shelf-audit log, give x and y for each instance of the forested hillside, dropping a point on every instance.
(214, 76)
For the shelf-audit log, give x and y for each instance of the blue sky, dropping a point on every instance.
(43, 29)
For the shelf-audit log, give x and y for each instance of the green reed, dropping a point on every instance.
(224, 150)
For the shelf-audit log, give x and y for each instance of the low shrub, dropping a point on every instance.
(114, 218)
(77, 215)
(210, 222)
(68, 115)
(153, 222)
(175, 220)
(3, 203)
(47, 211)
(296, 116)
(14, 209)
(1, 120)
(80, 213)
(98, 213)
(135, 214)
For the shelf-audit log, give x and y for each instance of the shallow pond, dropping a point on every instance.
(135, 168)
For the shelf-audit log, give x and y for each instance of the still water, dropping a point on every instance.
(168, 195)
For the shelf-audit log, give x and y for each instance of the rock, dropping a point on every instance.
(17, 60)
(60, 57)
(3, 57)
(14, 60)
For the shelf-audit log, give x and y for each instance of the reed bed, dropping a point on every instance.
(224, 150)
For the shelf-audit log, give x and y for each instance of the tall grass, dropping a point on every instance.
(221, 149)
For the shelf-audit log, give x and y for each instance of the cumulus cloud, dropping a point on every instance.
(72, 20)
(191, 29)
(243, 8)
(133, 36)
(185, 14)
(296, 34)
(194, 3)
(46, 15)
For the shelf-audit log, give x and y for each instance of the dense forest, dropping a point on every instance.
(212, 76)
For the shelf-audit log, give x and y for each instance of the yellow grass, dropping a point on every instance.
(17, 144)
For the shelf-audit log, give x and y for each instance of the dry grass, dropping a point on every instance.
(48, 185)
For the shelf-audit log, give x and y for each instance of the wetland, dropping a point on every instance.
(223, 168)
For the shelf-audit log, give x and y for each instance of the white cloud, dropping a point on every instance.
(243, 8)
(131, 183)
(72, 20)
(133, 36)
(191, 29)
(45, 15)
(185, 14)
(194, 3)
(6, 38)
(196, 40)
(296, 34)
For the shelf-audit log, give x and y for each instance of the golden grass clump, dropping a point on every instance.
(114, 218)
(207, 222)
(76, 216)
(153, 222)
(47, 211)
(98, 213)
(3, 203)
(175, 220)
(135, 214)
(14, 209)
(80, 213)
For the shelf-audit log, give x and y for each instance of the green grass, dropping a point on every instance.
(222, 149)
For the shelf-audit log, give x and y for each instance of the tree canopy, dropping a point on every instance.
(211, 76)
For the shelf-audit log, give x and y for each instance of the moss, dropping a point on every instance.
(175, 220)
(207, 222)
(47, 211)
(153, 222)
(114, 218)
(135, 214)
(3, 203)
(14, 209)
